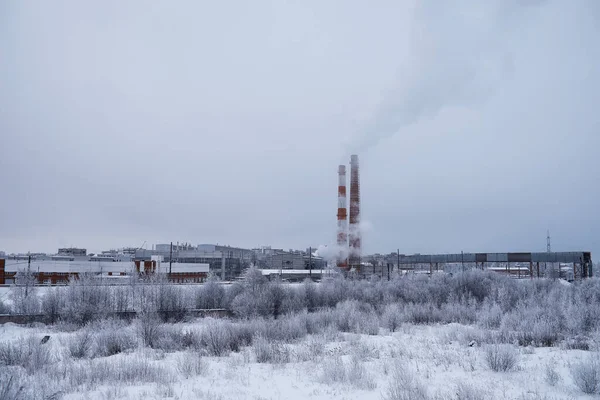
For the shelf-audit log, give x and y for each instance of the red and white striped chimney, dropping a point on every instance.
(342, 221)
(354, 236)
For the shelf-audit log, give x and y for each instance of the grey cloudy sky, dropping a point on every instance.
(476, 123)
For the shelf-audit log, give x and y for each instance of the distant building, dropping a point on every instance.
(72, 251)
(230, 260)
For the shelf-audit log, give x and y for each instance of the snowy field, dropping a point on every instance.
(477, 336)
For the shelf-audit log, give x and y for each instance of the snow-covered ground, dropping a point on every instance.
(442, 361)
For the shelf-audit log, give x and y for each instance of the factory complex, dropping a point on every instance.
(186, 263)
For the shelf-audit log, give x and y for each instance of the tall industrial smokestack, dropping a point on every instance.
(342, 228)
(354, 236)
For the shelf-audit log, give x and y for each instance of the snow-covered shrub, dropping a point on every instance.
(191, 363)
(321, 321)
(333, 290)
(171, 302)
(85, 300)
(423, 314)
(463, 311)
(270, 352)
(221, 337)
(404, 386)
(490, 315)
(294, 301)
(501, 357)
(551, 375)
(130, 370)
(4, 308)
(80, 344)
(52, 304)
(358, 376)
(14, 384)
(535, 324)
(211, 295)
(467, 392)
(586, 375)
(24, 293)
(252, 304)
(312, 349)
(333, 370)
(148, 327)
(286, 329)
(28, 353)
(363, 351)
(121, 298)
(312, 296)
(392, 317)
(114, 339)
(356, 317)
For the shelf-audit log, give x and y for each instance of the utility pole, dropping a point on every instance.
(170, 258)
(28, 275)
(398, 253)
(388, 271)
(462, 260)
(310, 262)
(548, 247)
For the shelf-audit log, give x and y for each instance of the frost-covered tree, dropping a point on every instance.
(211, 295)
(24, 293)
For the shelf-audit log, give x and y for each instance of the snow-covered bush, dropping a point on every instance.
(423, 314)
(211, 295)
(405, 386)
(80, 344)
(191, 363)
(354, 373)
(52, 304)
(358, 376)
(14, 384)
(4, 308)
(28, 353)
(490, 315)
(501, 357)
(85, 300)
(270, 352)
(333, 370)
(392, 317)
(468, 392)
(220, 337)
(463, 310)
(133, 369)
(551, 375)
(356, 317)
(148, 327)
(586, 375)
(312, 296)
(111, 341)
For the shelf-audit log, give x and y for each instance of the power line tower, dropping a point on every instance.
(548, 247)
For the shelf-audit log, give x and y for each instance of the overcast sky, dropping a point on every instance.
(123, 122)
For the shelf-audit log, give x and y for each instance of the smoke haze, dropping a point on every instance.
(456, 58)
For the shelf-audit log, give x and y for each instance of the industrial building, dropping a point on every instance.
(225, 261)
(54, 272)
(72, 251)
(568, 265)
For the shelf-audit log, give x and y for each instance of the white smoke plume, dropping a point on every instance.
(333, 252)
(460, 53)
